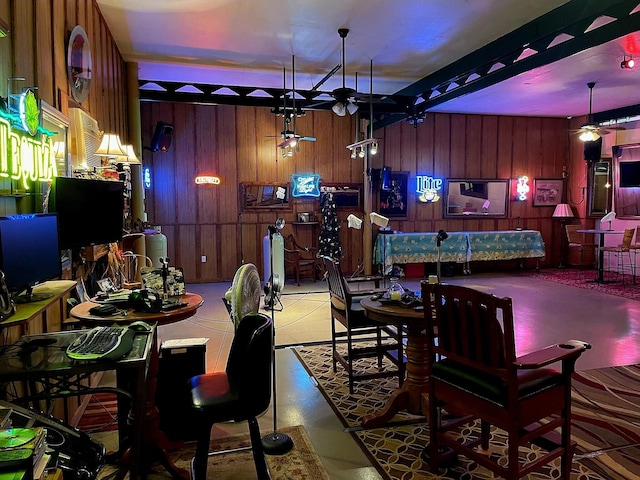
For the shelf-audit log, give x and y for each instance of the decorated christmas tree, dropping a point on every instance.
(329, 240)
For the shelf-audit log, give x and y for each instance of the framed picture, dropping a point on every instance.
(393, 198)
(304, 217)
(547, 192)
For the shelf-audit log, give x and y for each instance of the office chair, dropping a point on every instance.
(479, 380)
(241, 392)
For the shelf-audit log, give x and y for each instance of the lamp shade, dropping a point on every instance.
(354, 222)
(609, 217)
(130, 157)
(563, 210)
(378, 219)
(110, 146)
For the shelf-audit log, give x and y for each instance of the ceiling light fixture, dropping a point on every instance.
(339, 109)
(362, 146)
(589, 136)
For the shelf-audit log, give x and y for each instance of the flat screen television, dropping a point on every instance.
(29, 253)
(629, 174)
(90, 212)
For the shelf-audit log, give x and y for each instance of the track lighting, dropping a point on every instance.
(374, 148)
(353, 153)
(627, 62)
(361, 153)
(361, 145)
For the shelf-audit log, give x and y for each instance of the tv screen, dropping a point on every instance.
(90, 212)
(29, 253)
(629, 174)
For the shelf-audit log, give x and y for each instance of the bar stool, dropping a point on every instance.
(620, 251)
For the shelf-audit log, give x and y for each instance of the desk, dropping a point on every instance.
(49, 365)
(460, 247)
(601, 234)
(409, 396)
(154, 442)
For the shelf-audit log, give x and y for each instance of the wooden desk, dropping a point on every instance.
(601, 233)
(409, 396)
(154, 442)
(43, 316)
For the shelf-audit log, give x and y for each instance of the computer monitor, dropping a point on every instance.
(90, 212)
(29, 253)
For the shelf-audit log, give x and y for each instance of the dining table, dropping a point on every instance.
(601, 236)
(411, 396)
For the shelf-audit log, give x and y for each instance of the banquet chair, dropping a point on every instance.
(480, 382)
(241, 392)
(302, 259)
(582, 242)
(620, 252)
(359, 331)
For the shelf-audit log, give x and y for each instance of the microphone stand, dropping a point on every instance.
(275, 443)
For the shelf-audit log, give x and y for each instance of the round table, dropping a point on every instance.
(601, 233)
(410, 396)
(154, 442)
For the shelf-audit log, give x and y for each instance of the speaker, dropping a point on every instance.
(593, 150)
(617, 150)
(162, 136)
(177, 364)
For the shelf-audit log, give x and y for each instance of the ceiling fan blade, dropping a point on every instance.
(308, 139)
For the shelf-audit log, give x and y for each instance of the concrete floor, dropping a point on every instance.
(545, 313)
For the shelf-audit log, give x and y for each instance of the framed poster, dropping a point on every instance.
(393, 199)
(547, 192)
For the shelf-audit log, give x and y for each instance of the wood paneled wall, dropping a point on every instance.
(238, 145)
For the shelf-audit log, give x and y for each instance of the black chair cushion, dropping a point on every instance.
(490, 387)
(211, 393)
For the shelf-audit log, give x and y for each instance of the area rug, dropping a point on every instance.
(600, 396)
(573, 278)
(301, 463)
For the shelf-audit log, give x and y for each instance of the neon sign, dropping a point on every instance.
(428, 188)
(522, 188)
(25, 158)
(207, 180)
(146, 177)
(305, 185)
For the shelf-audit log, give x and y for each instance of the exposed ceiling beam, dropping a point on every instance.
(526, 48)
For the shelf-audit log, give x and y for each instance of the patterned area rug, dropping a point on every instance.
(396, 449)
(301, 463)
(573, 278)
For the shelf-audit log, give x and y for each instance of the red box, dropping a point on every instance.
(414, 270)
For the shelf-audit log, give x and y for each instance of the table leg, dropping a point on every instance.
(409, 396)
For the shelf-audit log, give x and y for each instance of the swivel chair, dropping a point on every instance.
(241, 392)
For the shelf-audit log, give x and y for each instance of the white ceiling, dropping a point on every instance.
(249, 42)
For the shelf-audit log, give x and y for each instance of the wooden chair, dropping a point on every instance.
(581, 242)
(478, 377)
(302, 259)
(347, 311)
(622, 251)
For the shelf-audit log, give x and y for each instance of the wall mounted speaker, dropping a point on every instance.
(593, 150)
(616, 151)
(162, 136)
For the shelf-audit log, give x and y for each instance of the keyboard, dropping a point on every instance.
(109, 343)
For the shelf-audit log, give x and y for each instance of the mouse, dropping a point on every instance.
(140, 326)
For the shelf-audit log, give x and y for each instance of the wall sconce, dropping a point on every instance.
(110, 146)
(362, 146)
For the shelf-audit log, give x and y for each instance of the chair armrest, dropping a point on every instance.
(552, 354)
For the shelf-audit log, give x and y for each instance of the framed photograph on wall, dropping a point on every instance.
(547, 192)
(393, 195)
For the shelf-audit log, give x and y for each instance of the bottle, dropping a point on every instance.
(395, 290)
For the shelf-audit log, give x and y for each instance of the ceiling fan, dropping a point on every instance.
(591, 131)
(290, 138)
(345, 97)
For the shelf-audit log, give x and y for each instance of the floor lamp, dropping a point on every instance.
(563, 212)
(382, 222)
(442, 235)
(275, 443)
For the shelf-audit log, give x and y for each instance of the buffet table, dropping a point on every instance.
(460, 247)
